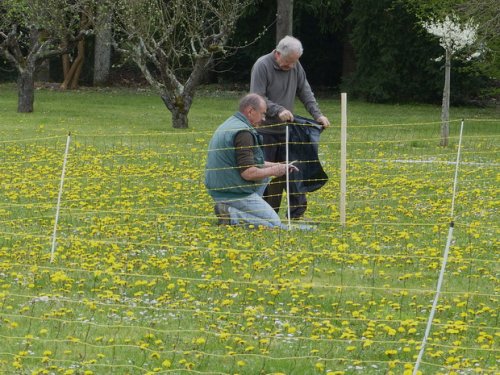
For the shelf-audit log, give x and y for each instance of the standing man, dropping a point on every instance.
(279, 77)
(236, 173)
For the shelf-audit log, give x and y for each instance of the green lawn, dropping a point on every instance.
(143, 281)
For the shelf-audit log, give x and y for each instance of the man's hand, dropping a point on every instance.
(323, 120)
(279, 169)
(292, 167)
(285, 115)
(269, 169)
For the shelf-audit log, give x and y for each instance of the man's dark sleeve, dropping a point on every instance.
(244, 145)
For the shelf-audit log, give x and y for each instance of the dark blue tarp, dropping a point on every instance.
(304, 137)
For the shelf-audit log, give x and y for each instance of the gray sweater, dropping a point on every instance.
(280, 87)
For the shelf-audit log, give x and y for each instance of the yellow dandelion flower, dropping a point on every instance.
(320, 366)
(199, 341)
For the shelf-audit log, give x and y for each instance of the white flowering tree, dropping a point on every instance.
(454, 36)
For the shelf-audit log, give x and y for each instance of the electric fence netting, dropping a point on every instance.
(111, 259)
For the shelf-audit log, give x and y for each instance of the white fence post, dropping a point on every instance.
(287, 139)
(343, 158)
(58, 207)
(444, 261)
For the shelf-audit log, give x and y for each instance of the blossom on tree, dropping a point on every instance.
(453, 36)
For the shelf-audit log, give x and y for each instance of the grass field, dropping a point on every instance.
(144, 281)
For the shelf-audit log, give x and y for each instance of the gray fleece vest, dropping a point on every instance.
(222, 175)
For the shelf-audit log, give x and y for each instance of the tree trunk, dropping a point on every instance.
(179, 107)
(445, 110)
(179, 119)
(72, 74)
(79, 65)
(26, 91)
(66, 63)
(102, 49)
(42, 73)
(284, 19)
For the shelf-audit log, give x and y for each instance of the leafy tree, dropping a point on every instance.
(34, 30)
(317, 23)
(328, 14)
(460, 24)
(392, 54)
(487, 15)
(254, 31)
(453, 36)
(174, 43)
(322, 27)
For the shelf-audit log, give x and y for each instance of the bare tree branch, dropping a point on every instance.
(34, 30)
(174, 43)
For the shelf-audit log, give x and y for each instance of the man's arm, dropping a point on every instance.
(257, 174)
(244, 145)
(307, 97)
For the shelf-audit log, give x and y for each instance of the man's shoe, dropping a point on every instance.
(222, 212)
(304, 220)
(305, 227)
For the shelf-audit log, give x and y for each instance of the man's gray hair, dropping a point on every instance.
(289, 45)
(251, 100)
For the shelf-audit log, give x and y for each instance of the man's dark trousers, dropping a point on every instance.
(275, 151)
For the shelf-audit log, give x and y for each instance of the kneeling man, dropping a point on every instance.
(236, 174)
